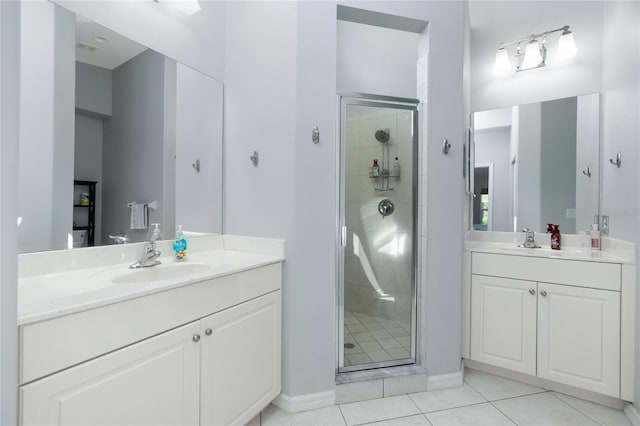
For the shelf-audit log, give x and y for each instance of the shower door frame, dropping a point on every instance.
(376, 101)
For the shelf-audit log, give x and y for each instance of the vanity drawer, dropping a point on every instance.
(604, 276)
(53, 345)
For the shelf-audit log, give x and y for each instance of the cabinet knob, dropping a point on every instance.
(196, 338)
(532, 291)
(543, 293)
(208, 332)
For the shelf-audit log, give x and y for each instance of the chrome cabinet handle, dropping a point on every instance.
(532, 291)
(196, 338)
(208, 332)
(543, 293)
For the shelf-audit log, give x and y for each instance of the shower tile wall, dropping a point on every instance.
(383, 246)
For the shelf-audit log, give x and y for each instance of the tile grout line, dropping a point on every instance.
(344, 419)
(503, 413)
(577, 409)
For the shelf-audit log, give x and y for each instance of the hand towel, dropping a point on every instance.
(139, 216)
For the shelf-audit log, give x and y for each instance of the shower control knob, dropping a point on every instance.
(386, 207)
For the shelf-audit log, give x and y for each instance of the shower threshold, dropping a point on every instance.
(378, 373)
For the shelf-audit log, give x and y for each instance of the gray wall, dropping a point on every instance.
(528, 160)
(93, 89)
(9, 131)
(303, 35)
(133, 144)
(47, 90)
(88, 161)
(492, 146)
(558, 162)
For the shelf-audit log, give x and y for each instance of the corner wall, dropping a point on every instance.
(620, 130)
(9, 131)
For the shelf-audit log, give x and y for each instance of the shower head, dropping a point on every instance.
(383, 135)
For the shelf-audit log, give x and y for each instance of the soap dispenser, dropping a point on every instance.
(180, 245)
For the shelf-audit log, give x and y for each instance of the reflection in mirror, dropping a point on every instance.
(537, 164)
(143, 122)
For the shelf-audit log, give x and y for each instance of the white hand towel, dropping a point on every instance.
(139, 216)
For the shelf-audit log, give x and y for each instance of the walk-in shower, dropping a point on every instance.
(378, 209)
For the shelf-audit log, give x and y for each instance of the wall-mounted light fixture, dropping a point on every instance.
(188, 7)
(535, 51)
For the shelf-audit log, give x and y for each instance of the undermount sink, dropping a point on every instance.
(162, 272)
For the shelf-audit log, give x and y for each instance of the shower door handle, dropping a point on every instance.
(343, 236)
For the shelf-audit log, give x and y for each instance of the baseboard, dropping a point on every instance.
(296, 404)
(445, 381)
(632, 414)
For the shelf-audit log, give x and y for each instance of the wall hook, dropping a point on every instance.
(587, 172)
(618, 159)
(446, 147)
(196, 165)
(254, 158)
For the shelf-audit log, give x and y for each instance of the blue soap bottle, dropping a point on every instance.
(180, 245)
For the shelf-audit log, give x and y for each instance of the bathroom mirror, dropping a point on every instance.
(136, 140)
(537, 164)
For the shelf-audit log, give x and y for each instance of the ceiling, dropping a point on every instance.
(108, 54)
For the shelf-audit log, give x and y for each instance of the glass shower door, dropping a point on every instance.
(378, 215)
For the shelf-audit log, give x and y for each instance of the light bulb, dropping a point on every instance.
(566, 46)
(502, 62)
(188, 7)
(532, 56)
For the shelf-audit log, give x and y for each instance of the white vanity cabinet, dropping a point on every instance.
(565, 321)
(218, 369)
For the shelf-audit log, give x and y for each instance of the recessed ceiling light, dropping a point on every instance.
(100, 39)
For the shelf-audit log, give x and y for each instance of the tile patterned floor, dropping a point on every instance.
(483, 400)
(375, 339)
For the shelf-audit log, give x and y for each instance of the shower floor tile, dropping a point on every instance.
(375, 339)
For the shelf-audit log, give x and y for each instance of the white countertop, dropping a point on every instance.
(575, 247)
(70, 289)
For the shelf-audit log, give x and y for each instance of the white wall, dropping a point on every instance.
(492, 146)
(620, 130)
(9, 132)
(198, 137)
(376, 60)
(499, 21)
(263, 98)
(196, 40)
(46, 150)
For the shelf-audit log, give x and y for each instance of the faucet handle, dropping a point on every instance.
(525, 230)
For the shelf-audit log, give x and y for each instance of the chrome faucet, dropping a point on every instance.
(150, 255)
(530, 239)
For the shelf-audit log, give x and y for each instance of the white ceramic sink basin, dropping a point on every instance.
(162, 272)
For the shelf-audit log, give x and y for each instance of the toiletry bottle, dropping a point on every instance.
(375, 169)
(395, 171)
(555, 238)
(549, 228)
(595, 237)
(180, 245)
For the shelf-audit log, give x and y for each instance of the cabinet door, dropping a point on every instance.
(579, 337)
(152, 382)
(503, 323)
(240, 362)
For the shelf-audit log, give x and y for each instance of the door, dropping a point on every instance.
(579, 337)
(503, 323)
(240, 369)
(152, 382)
(378, 210)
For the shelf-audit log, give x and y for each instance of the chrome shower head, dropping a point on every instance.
(383, 135)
